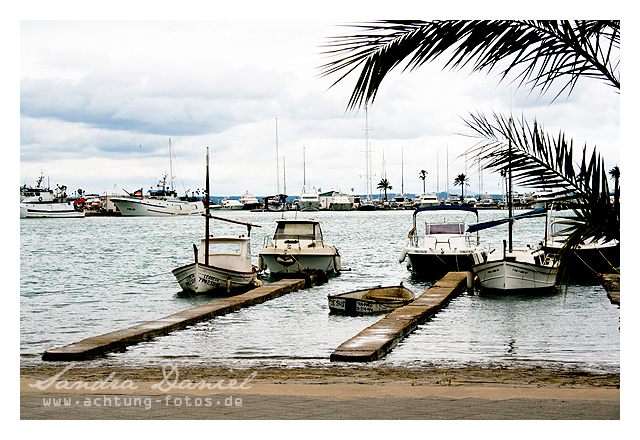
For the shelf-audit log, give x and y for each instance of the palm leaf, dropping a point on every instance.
(545, 51)
(539, 161)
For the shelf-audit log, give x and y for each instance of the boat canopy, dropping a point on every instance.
(445, 208)
(490, 224)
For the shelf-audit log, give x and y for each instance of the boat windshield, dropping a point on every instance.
(445, 228)
(224, 248)
(307, 231)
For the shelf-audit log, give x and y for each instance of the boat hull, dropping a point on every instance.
(199, 278)
(370, 301)
(589, 261)
(310, 206)
(515, 276)
(49, 210)
(430, 264)
(282, 264)
(156, 207)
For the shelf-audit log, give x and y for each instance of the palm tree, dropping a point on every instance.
(423, 176)
(384, 185)
(461, 180)
(544, 52)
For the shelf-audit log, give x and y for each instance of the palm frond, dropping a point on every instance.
(544, 50)
(539, 161)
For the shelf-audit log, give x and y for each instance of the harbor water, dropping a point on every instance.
(85, 277)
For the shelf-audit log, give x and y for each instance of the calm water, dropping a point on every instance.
(85, 277)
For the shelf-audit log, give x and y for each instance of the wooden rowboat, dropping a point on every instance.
(377, 300)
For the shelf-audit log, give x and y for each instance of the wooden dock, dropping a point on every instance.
(611, 283)
(99, 345)
(377, 340)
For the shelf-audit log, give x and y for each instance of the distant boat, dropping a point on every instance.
(369, 301)
(340, 202)
(444, 246)
(275, 203)
(309, 199)
(231, 204)
(160, 201)
(425, 200)
(40, 202)
(296, 247)
(222, 263)
(249, 201)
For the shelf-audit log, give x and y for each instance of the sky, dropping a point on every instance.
(100, 100)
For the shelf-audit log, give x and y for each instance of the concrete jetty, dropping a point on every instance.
(99, 345)
(377, 340)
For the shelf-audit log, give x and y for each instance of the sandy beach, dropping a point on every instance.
(317, 393)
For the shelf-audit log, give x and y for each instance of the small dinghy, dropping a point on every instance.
(376, 300)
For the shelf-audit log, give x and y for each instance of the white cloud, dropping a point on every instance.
(100, 99)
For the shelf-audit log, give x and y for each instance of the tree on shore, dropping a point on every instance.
(384, 185)
(423, 176)
(461, 180)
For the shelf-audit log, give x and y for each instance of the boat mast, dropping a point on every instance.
(510, 200)
(304, 168)
(367, 153)
(277, 162)
(206, 225)
(170, 167)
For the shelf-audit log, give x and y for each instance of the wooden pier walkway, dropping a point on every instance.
(611, 283)
(99, 345)
(377, 340)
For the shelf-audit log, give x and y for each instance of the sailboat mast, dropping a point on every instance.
(510, 201)
(170, 166)
(368, 153)
(206, 225)
(277, 162)
(304, 168)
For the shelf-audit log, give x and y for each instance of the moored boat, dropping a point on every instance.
(40, 202)
(249, 201)
(298, 246)
(367, 301)
(443, 246)
(309, 200)
(222, 264)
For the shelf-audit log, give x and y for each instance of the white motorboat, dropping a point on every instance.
(309, 199)
(368, 301)
(425, 200)
(297, 246)
(222, 264)
(340, 202)
(249, 201)
(40, 202)
(231, 204)
(444, 246)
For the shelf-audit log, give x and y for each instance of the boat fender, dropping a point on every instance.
(403, 254)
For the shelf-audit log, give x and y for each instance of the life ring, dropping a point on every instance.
(39, 199)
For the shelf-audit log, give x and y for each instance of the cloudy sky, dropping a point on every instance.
(99, 101)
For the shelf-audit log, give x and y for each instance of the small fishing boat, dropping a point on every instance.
(377, 300)
(222, 264)
(515, 270)
(297, 246)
